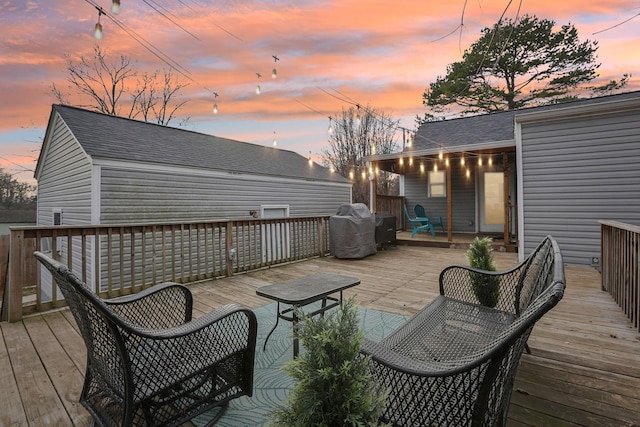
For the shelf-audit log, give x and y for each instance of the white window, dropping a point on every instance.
(437, 184)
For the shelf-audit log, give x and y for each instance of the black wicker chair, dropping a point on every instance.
(454, 362)
(148, 362)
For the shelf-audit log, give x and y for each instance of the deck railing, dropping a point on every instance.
(122, 259)
(620, 261)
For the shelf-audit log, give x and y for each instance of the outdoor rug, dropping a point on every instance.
(271, 385)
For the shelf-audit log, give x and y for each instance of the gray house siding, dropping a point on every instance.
(576, 171)
(129, 195)
(64, 185)
(65, 180)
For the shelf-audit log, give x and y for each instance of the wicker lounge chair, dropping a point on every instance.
(148, 362)
(454, 362)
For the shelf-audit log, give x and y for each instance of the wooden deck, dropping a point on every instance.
(584, 369)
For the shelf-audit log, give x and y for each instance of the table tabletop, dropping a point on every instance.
(307, 289)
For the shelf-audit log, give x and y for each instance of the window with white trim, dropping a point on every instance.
(437, 186)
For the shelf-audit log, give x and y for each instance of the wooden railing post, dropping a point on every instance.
(12, 305)
(322, 244)
(230, 251)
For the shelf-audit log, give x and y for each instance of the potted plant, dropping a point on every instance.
(334, 387)
(485, 287)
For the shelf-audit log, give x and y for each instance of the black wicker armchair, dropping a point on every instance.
(148, 362)
(454, 362)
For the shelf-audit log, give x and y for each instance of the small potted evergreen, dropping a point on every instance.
(485, 288)
(334, 387)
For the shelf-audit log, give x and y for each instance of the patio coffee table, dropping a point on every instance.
(303, 291)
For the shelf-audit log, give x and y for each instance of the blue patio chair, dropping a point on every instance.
(419, 224)
(419, 210)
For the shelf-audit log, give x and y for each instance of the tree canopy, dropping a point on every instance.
(517, 64)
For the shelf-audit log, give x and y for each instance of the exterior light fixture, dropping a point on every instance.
(115, 7)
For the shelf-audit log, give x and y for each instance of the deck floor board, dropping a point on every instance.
(584, 369)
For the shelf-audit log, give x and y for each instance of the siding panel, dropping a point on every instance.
(576, 172)
(145, 196)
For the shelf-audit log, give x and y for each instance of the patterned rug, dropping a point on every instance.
(271, 385)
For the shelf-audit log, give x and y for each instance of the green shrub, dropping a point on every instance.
(485, 288)
(334, 387)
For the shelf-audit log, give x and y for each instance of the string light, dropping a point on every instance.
(97, 33)
(330, 128)
(401, 161)
(215, 108)
(490, 160)
(274, 72)
(115, 7)
(446, 162)
(479, 161)
(410, 161)
(468, 173)
(440, 154)
(276, 142)
(461, 161)
(435, 167)
(351, 175)
(421, 167)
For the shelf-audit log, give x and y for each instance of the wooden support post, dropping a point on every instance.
(322, 247)
(507, 224)
(449, 206)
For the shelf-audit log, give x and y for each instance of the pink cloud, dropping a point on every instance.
(376, 52)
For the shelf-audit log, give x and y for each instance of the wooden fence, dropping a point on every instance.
(122, 259)
(620, 261)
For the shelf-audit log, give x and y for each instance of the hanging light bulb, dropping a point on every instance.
(401, 161)
(440, 154)
(115, 7)
(422, 167)
(274, 73)
(258, 90)
(274, 139)
(479, 161)
(310, 161)
(490, 161)
(330, 128)
(373, 149)
(332, 169)
(409, 140)
(468, 173)
(364, 175)
(435, 167)
(461, 161)
(215, 108)
(446, 162)
(97, 32)
(351, 174)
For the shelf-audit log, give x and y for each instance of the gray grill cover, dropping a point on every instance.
(352, 232)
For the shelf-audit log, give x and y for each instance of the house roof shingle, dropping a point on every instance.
(493, 127)
(109, 137)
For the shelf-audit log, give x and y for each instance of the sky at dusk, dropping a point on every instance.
(331, 53)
